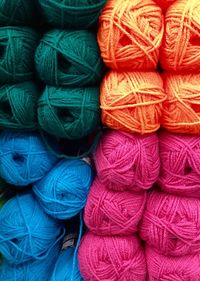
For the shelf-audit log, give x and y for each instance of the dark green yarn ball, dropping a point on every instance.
(75, 14)
(69, 58)
(69, 113)
(18, 106)
(17, 49)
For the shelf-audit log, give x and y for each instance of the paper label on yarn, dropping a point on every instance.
(69, 241)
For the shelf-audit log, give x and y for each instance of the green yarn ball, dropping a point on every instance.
(69, 58)
(75, 14)
(17, 48)
(69, 113)
(18, 106)
(16, 12)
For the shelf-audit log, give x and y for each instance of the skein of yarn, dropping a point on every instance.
(27, 233)
(113, 213)
(63, 191)
(69, 113)
(181, 43)
(79, 14)
(127, 161)
(164, 4)
(24, 158)
(132, 101)
(130, 34)
(180, 164)
(111, 258)
(171, 224)
(18, 106)
(69, 58)
(181, 110)
(17, 48)
(185, 268)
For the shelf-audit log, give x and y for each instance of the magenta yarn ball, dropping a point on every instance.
(128, 161)
(171, 224)
(113, 213)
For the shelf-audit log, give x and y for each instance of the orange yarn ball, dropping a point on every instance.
(181, 44)
(164, 4)
(181, 112)
(132, 101)
(130, 34)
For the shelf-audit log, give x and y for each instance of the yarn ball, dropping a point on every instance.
(127, 161)
(66, 269)
(181, 43)
(181, 110)
(185, 268)
(180, 164)
(113, 213)
(20, 12)
(79, 14)
(18, 106)
(111, 258)
(69, 58)
(71, 113)
(171, 224)
(132, 101)
(130, 34)
(63, 191)
(26, 231)
(164, 4)
(17, 48)
(24, 158)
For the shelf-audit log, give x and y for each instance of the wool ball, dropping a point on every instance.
(17, 48)
(111, 258)
(24, 158)
(69, 58)
(180, 164)
(127, 161)
(18, 105)
(181, 110)
(71, 113)
(181, 43)
(171, 224)
(130, 34)
(185, 268)
(132, 101)
(27, 233)
(113, 213)
(79, 14)
(164, 4)
(63, 191)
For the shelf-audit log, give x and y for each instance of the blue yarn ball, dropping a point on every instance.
(63, 191)
(24, 158)
(26, 231)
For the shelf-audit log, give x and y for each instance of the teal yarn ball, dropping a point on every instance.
(17, 49)
(18, 105)
(71, 14)
(69, 113)
(69, 58)
(24, 157)
(27, 233)
(63, 191)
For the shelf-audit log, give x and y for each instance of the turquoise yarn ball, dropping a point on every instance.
(69, 113)
(69, 58)
(75, 14)
(18, 105)
(24, 158)
(63, 191)
(17, 49)
(27, 233)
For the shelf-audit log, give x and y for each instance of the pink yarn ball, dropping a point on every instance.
(113, 213)
(128, 161)
(180, 164)
(171, 224)
(111, 258)
(168, 268)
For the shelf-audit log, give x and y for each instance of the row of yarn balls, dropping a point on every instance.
(32, 223)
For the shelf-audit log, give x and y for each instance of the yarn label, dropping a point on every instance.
(69, 241)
